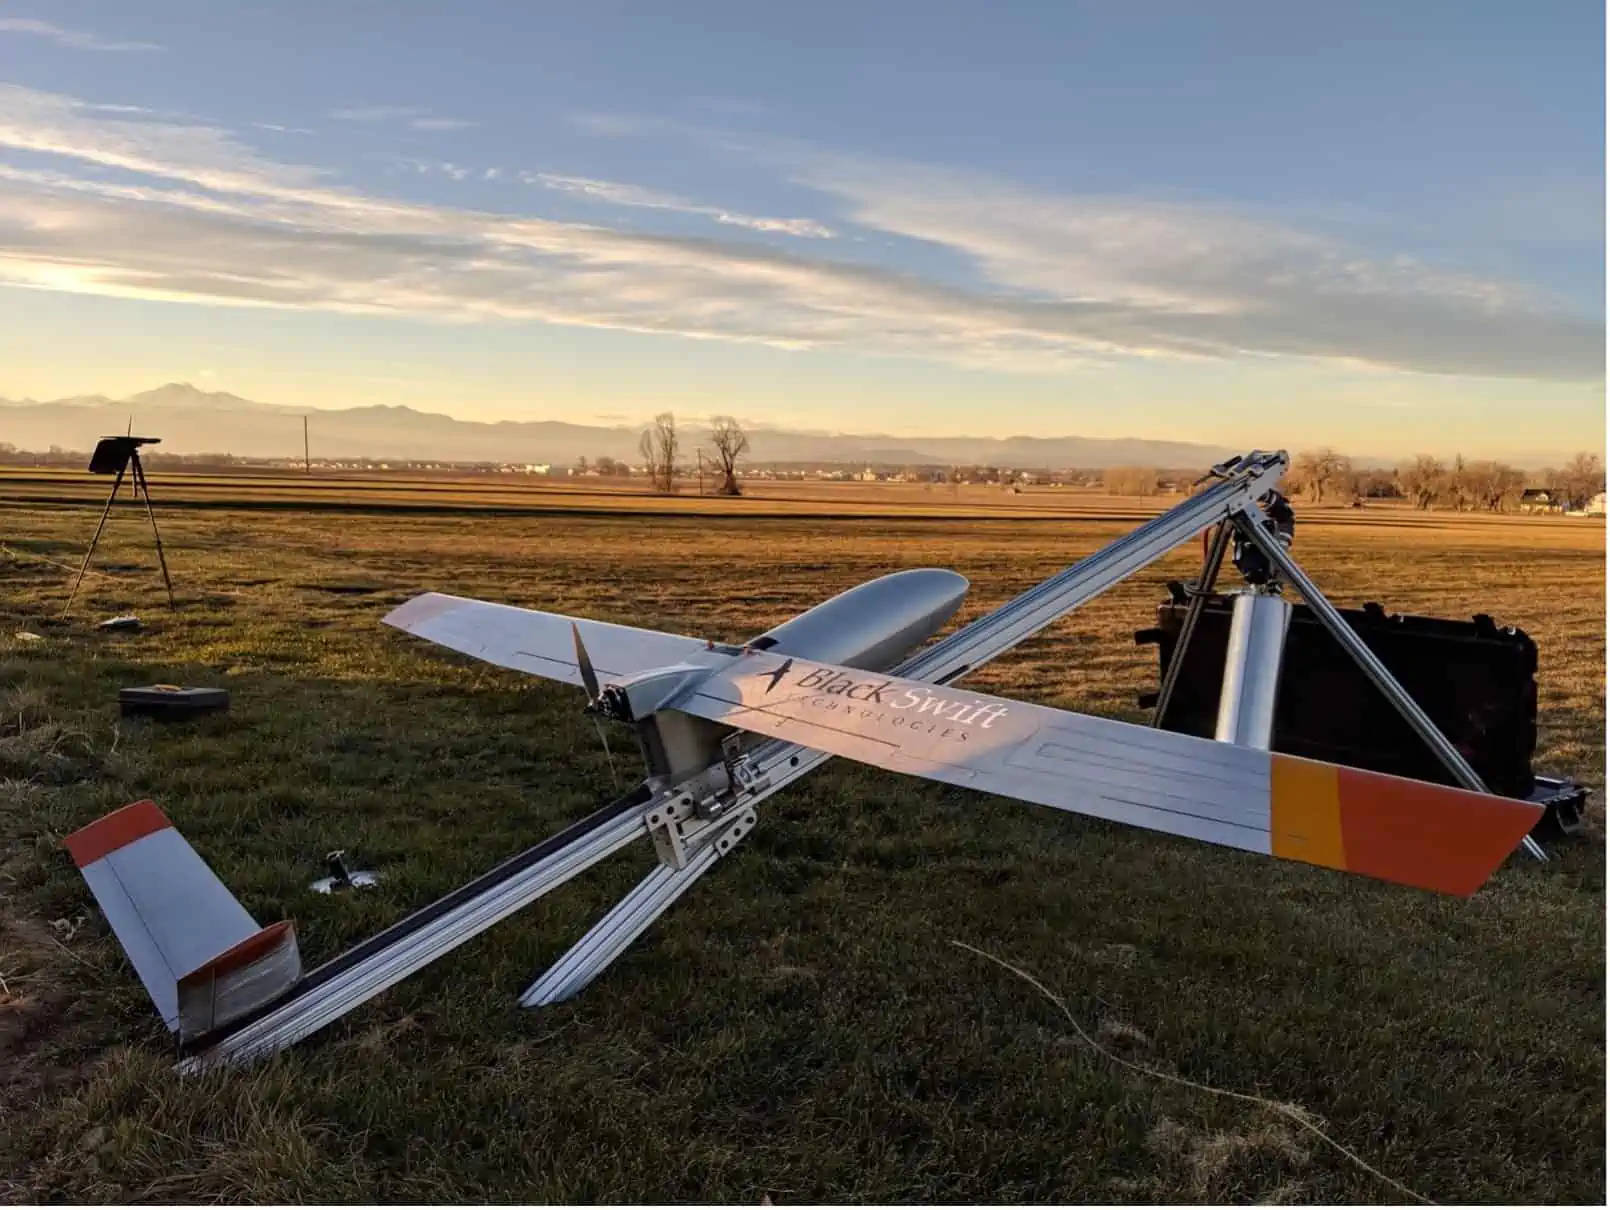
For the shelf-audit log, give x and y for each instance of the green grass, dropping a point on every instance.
(799, 1026)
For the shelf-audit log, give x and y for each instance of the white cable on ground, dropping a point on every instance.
(1284, 1110)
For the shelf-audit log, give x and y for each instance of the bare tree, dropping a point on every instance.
(658, 445)
(1581, 480)
(645, 449)
(1456, 485)
(1489, 485)
(1320, 475)
(1421, 480)
(729, 442)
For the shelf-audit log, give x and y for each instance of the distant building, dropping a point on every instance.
(1596, 506)
(1540, 500)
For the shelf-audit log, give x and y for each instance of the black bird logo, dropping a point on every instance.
(780, 672)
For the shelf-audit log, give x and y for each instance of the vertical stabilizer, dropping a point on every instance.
(203, 959)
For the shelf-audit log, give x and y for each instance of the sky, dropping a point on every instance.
(1375, 226)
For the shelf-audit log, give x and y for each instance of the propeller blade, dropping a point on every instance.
(608, 755)
(589, 678)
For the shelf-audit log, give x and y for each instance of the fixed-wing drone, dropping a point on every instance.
(817, 682)
(723, 726)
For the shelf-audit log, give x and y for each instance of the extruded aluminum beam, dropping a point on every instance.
(323, 1000)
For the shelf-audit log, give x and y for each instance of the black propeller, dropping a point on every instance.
(589, 681)
(589, 678)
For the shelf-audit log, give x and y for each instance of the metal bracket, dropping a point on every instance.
(664, 824)
(746, 777)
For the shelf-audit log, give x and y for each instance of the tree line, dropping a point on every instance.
(1323, 476)
(1426, 482)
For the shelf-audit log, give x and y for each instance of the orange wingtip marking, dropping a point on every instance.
(1436, 837)
(1305, 814)
(241, 954)
(111, 832)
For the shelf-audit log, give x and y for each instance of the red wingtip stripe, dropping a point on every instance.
(241, 954)
(111, 832)
(1437, 837)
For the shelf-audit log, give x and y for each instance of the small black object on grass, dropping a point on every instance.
(341, 878)
(124, 621)
(172, 701)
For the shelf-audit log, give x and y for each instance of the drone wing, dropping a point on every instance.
(542, 644)
(1411, 832)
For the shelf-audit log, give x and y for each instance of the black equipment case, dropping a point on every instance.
(1475, 680)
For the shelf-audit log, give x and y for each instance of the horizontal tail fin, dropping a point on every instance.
(203, 959)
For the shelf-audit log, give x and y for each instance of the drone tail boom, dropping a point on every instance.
(203, 959)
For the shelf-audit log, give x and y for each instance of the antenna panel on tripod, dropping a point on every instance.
(112, 454)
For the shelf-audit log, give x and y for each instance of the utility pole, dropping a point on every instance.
(307, 462)
(701, 472)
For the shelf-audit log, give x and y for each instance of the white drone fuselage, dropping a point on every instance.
(870, 628)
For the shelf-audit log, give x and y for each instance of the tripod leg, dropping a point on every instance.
(105, 512)
(1193, 613)
(145, 488)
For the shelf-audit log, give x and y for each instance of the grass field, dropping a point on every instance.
(800, 1026)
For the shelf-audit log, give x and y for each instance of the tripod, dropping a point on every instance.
(121, 454)
(1259, 538)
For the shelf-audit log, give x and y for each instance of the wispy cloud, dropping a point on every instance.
(74, 39)
(618, 194)
(1066, 281)
(414, 116)
(376, 113)
(49, 123)
(1199, 278)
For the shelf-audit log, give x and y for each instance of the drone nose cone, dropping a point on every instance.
(938, 580)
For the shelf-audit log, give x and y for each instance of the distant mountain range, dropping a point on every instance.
(193, 421)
